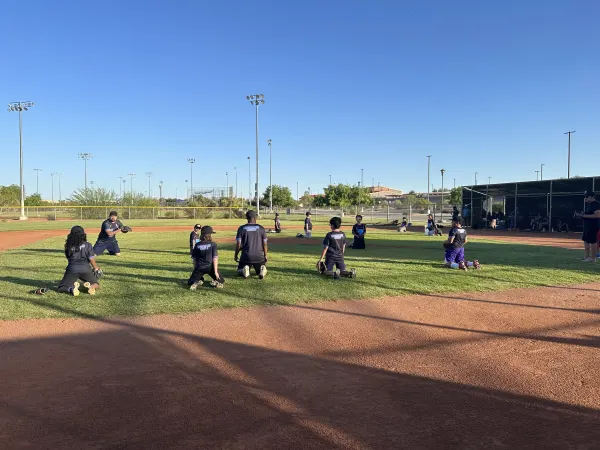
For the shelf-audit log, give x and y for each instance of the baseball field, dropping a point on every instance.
(407, 355)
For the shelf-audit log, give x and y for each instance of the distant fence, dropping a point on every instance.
(372, 214)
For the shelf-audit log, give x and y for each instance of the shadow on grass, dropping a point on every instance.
(142, 387)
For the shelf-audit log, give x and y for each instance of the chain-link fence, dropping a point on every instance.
(371, 214)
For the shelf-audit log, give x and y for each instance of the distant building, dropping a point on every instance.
(384, 193)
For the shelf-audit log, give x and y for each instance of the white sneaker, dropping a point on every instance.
(194, 286)
(246, 271)
(262, 273)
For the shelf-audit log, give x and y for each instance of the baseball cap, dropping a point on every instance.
(207, 230)
(589, 194)
(251, 214)
(112, 213)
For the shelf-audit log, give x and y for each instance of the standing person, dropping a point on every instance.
(206, 261)
(251, 241)
(277, 223)
(308, 226)
(334, 247)
(455, 213)
(195, 236)
(107, 238)
(358, 231)
(454, 256)
(591, 222)
(80, 255)
(431, 228)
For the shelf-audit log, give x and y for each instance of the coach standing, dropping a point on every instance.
(106, 239)
(591, 220)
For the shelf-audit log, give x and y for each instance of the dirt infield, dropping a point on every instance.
(515, 369)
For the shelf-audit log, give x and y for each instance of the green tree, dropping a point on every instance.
(409, 200)
(94, 197)
(421, 203)
(360, 196)
(34, 200)
(282, 196)
(338, 195)
(456, 196)
(306, 200)
(10, 195)
(320, 201)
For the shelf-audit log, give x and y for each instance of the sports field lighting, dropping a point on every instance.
(52, 175)
(85, 157)
(537, 175)
(160, 186)
(121, 187)
(191, 161)
(249, 184)
(269, 142)
(236, 183)
(569, 154)
(476, 178)
(443, 171)
(37, 180)
(149, 175)
(542, 172)
(20, 107)
(131, 177)
(428, 182)
(227, 177)
(257, 99)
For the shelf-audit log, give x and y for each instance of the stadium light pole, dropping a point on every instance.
(270, 176)
(191, 161)
(542, 172)
(329, 180)
(249, 184)
(124, 187)
(160, 186)
(489, 180)
(362, 177)
(569, 133)
(59, 191)
(443, 171)
(120, 187)
(132, 176)
(149, 175)
(428, 174)
(227, 176)
(476, 178)
(186, 189)
(85, 157)
(236, 183)
(37, 180)
(454, 183)
(297, 191)
(92, 183)
(20, 107)
(257, 99)
(52, 175)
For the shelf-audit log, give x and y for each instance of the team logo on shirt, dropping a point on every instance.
(251, 228)
(203, 247)
(337, 236)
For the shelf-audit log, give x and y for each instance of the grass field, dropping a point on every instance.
(149, 278)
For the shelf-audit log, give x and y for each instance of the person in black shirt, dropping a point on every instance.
(308, 226)
(206, 261)
(107, 238)
(591, 219)
(251, 241)
(80, 254)
(455, 248)
(334, 247)
(195, 236)
(358, 231)
(431, 228)
(277, 223)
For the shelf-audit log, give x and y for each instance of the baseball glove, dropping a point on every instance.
(98, 273)
(447, 245)
(321, 267)
(126, 229)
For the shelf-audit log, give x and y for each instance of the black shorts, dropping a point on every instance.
(73, 275)
(256, 266)
(199, 272)
(112, 246)
(590, 236)
(338, 263)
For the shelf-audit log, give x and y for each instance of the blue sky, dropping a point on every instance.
(487, 87)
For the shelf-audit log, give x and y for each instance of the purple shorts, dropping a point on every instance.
(455, 255)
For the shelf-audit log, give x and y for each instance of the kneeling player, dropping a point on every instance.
(80, 255)
(206, 261)
(334, 246)
(455, 248)
(251, 240)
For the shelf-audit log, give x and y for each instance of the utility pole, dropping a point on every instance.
(489, 180)
(442, 204)
(191, 161)
(85, 157)
(20, 107)
(249, 184)
(124, 188)
(37, 181)
(475, 178)
(160, 186)
(53, 174)
(149, 175)
(59, 190)
(270, 176)
(257, 99)
(428, 173)
(121, 188)
(454, 183)
(362, 177)
(132, 175)
(542, 172)
(537, 174)
(569, 154)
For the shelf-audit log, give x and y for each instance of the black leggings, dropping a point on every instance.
(199, 272)
(71, 276)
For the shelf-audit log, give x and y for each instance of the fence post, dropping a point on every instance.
(55, 213)
(106, 211)
(213, 213)
(409, 213)
(194, 209)
(81, 212)
(388, 212)
(153, 213)
(129, 218)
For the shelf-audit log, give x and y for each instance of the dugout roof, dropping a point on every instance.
(572, 186)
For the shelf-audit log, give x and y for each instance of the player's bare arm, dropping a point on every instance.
(238, 248)
(323, 254)
(216, 264)
(265, 247)
(596, 215)
(111, 233)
